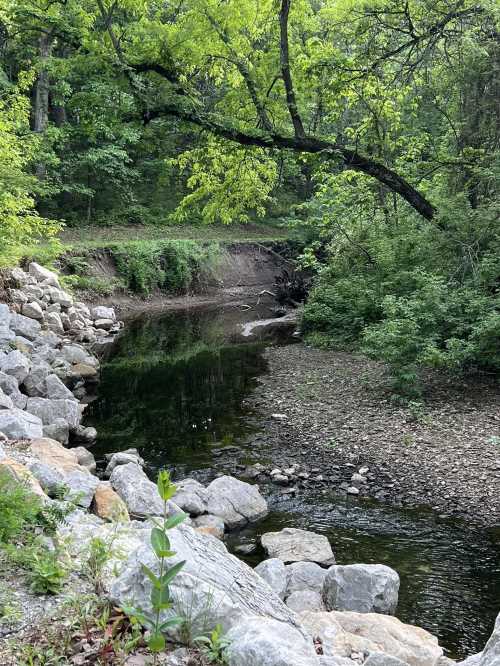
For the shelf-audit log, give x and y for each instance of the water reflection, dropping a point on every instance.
(173, 388)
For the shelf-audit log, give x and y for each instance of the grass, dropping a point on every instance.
(102, 236)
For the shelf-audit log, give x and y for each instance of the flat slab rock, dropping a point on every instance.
(295, 545)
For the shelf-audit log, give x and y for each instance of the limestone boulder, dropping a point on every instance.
(213, 587)
(364, 588)
(382, 659)
(50, 478)
(208, 524)
(103, 312)
(263, 641)
(34, 384)
(56, 389)
(274, 572)
(20, 277)
(82, 486)
(20, 474)
(122, 458)
(42, 274)
(5, 401)
(296, 545)
(18, 424)
(54, 322)
(305, 600)
(236, 502)
(304, 576)
(54, 455)
(345, 632)
(32, 310)
(16, 365)
(25, 326)
(85, 458)
(191, 496)
(59, 430)
(136, 490)
(49, 410)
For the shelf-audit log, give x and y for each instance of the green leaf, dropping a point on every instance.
(160, 542)
(166, 488)
(156, 642)
(172, 622)
(175, 520)
(160, 599)
(172, 573)
(152, 576)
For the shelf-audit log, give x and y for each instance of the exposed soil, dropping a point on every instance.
(333, 415)
(244, 272)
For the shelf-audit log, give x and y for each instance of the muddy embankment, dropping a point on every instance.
(239, 272)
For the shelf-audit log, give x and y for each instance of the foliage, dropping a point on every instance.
(46, 574)
(214, 646)
(20, 222)
(160, 594)
(19, 509)
(167, 265)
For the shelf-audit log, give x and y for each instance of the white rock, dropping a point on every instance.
(16, 424)
(82, 486)
(54, 323)
(263, 641)
(273, 571)
(50, 410)
(55, 389)
(102, 312)
(191, 497)
(85, 458)
(121, 458)
(59, 430)
(5, 401)
(136, 490)
(4, 315)
(305, 600)
(60, 296)
(50, 478)
(236, 502)
(15, 364)
(210, 525)
(42, 274)
(21, 325)
(20, 277)
(32, 310)
(295, 545)
(365, 588)
(305, 576)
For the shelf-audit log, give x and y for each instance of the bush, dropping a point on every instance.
(171, 266)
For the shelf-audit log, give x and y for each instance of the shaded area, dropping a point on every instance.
(173, 388)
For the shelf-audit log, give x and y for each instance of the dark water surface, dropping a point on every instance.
(174, 386)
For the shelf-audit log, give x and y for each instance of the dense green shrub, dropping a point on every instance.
(171, 266)
(413, 294)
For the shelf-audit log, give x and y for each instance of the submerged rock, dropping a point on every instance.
(365, 588)
(295, 545)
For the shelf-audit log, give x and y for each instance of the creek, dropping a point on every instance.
(174, 387)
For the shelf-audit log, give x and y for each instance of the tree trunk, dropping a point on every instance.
(41, 99)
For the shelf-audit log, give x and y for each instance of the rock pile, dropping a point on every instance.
(45, 367)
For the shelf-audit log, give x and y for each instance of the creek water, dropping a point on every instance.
(174, 387)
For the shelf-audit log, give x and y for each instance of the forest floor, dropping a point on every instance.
(333, 415)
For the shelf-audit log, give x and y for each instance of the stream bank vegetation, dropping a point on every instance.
(370, 127)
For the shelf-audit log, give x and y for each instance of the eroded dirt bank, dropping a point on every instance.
(329, 415)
